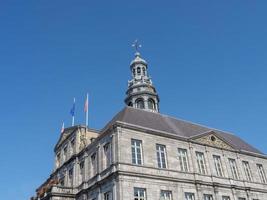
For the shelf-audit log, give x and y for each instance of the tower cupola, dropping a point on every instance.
(141, 93)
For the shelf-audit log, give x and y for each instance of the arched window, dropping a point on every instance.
(140, 103)
(130, 104)
(144, 71)
(133, 72)
(138, 71)
(151, 104)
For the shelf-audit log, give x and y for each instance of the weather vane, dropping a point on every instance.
(136, 45)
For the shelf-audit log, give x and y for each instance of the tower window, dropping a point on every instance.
(134, 72)
(144, 71)
(140, 103)
(151, 104)
(130, 104)
(138, 71)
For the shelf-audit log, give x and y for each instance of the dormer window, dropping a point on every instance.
(140, 103)
(151, 104)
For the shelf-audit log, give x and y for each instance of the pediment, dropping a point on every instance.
(212, 139)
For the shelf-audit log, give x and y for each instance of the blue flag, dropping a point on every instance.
(72, 110)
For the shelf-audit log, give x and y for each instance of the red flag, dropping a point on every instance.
(62, 129)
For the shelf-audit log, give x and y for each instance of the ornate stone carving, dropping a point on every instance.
(213, 140)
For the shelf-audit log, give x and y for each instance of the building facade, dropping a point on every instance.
(144, 155)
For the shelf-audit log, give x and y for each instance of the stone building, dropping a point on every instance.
(144, 155)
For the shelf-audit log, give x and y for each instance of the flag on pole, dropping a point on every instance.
(86, 109)
(62, 128)
(72, 111)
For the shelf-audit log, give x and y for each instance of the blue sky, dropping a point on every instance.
(208, 61)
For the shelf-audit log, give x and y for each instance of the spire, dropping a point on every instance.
(141, 93)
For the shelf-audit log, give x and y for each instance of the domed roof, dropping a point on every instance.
(138, 59)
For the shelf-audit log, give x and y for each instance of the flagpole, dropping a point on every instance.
(73, 114)
(87, 110)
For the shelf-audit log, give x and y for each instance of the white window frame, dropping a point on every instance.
(189, 196)
(261, 173)
(234, 169)
(201, 162)
(183, 159)
(218, 165)
(207, 196)
(161, 156)
(141, 193)
(135, 146)
(165, 195)
(107, 152)
(247, 170)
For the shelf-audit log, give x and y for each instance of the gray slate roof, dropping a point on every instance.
(160, 122)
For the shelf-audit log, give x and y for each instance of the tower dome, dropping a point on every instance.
(141, 93)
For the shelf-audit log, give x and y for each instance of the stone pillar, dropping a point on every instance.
(86, 166)
(248, 194)
(98, 162)
(234, 193)
(199, 191)
(216, 193)
(76, 172)
(225, 165)
(114, 190)
(192, 156)
(113, 151)
(209, 159)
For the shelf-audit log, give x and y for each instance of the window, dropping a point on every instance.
(247, 170)
(62, 181)
(133, 72)
(144, 71)
(261, 173)
(140, 103)
(182, 155)
(225, 198)
(58, 160)
(151, 104)
(107, 152)
(201, 162)
(241, 198)
(138, 71)
(108, 196)
(233, 168)
(81, 165)
(189, 196)
(218, 165)
(93, 164)
(139, 194)
(71, 177)
(136, 151)
(165, 195)
(161, 156)
(208, 197)
(65, 152)
(72, 144)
